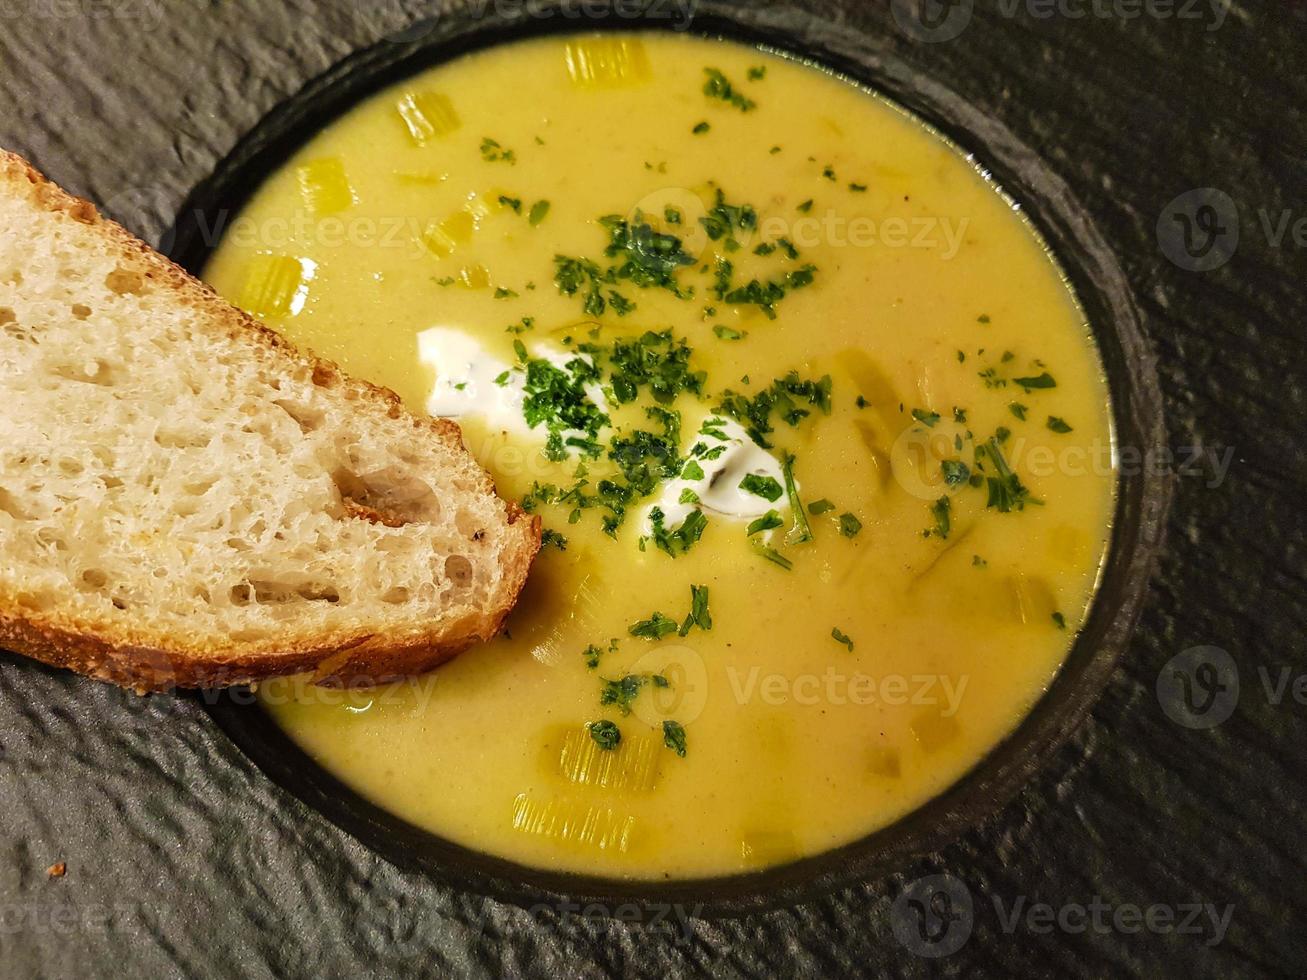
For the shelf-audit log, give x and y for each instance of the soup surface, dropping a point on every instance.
(817, 430)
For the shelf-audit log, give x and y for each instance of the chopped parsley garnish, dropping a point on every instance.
(926, 418)
(1043, 380)
(539, 211)
(514, 203)
(805, 207)
(526, 324)
(691, 471)
(955, 472)
(940, 509)
(786, 397)
(573, 275)
(725, 219)
(983, 318)
(556, 397)
(764, 295)
(772, 555)
(819, 507)
(649, 258)
(606, 734)
(839, 636)
(699, 615)
(657, 360)
(1006, 492)
(1017, 409)
(767, 522)
(762, 486)
(1058, 425)
(551, 537)
(621, 692)
(1059, 620)
(672, 216)
(849, 525)
(492, 152)
(655, 627)
(801, 532)
(718, 86)
(503, 292)
(724, 332)
(757, 73)
(674, 737)
(593, 652)
(701, 128)
(682, 539)
(858, 188)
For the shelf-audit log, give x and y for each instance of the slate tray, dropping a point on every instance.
(183, 859)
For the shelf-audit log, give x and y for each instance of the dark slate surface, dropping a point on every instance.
(183, 860)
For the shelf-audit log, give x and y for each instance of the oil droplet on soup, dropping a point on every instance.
(816, 428)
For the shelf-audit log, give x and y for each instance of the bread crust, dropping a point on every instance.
(354, 656)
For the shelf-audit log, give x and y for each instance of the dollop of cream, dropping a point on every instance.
(472, 383)
(465, 383)
(718, 490)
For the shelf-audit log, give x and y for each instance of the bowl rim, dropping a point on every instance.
(1093, 273)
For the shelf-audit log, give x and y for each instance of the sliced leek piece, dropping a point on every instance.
(607, 62)
(427, 115)
(873, 384)
(933, 730)
(324, 186)
(275, 285)
(1032, 600)
(883, 760)
(430, 177)
(631, 767)
(761, 848)
(443, 237)
(600, 827)
(473, 277)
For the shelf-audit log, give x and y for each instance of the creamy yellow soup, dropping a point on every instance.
(878, 442)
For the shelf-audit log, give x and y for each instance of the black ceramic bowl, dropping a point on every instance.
(1099, 283)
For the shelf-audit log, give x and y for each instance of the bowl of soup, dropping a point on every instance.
(823, 412)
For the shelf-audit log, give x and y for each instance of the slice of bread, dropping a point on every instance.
(186, 500)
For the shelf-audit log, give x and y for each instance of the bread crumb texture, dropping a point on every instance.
(180, 486)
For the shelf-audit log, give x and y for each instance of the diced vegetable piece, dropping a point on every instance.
(872, 383)
(427, 115)
(631, 767)
(427, 177)
(883, 760)
(445, 236)
(761, 848)
(473, 277)
(1032, 600)
(600, 827)
(933, 730)
(880, 461)
(324, 186)
(607, 62)
(275, 285)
